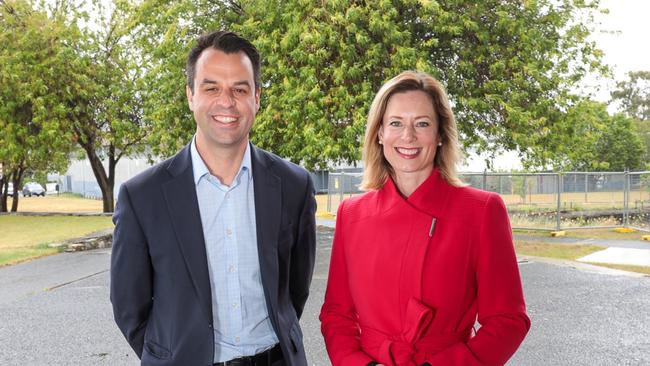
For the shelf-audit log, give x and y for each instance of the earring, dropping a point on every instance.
(380, 142)
(439, 143)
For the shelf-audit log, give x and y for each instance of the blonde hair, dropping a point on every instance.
(377, 169)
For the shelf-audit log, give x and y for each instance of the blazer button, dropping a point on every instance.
(210, 326)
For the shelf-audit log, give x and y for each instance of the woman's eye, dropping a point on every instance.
(422, 124)
(394, 123)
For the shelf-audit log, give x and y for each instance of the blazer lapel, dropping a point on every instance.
(183, 206)
(268, 212)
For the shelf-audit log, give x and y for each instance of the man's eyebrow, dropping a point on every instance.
(237, 83)
(243, 82)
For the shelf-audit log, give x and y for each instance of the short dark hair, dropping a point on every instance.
(227, 42)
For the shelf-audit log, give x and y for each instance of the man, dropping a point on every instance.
(213, 250)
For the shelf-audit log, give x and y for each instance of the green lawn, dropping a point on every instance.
(607, 234)
(559, 251)
(629, 268)
(26, 237)
(570, 252)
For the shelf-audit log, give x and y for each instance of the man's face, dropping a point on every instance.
(224, 101)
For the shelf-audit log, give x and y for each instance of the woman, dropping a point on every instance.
(419, 256)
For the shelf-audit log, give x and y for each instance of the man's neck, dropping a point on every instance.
(223, 163)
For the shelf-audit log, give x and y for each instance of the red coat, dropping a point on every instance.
(397, 296)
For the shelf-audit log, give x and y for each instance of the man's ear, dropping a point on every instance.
(190, 97)
(258, 93)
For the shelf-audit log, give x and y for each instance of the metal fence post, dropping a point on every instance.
(329, 193)
(626, 197)
(586, 186)
(484, 179)
(559, 199)
(341, 184)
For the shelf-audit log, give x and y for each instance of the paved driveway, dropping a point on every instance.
(55, 311)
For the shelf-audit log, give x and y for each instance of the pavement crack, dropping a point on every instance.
(75, 280)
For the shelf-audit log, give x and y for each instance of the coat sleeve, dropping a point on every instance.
(303, 255)
(131, 274)
(338, 315)
(501, 307)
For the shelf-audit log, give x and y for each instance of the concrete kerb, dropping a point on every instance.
(96, 240)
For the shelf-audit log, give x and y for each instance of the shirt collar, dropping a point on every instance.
(200, 169)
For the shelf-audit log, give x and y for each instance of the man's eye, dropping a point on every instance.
(240, 91)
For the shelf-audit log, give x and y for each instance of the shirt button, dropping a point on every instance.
(228, 232)
(237, 339)
(231, 268)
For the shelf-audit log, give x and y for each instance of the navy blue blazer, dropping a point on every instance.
(160, 286)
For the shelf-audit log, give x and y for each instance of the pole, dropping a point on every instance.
(626, 197)
(559, 199)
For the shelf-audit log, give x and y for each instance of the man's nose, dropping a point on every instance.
(226, 99)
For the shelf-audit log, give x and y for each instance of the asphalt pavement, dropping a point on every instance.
(56, 311)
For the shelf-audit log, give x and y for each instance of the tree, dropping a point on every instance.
(593, 140)
(643, 132)
(633, 95)
(508, 66)
(68, 85)
(33, 60)
(633, 99)
(619, 147)
(106, 117)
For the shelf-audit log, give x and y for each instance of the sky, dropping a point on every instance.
(623, 37)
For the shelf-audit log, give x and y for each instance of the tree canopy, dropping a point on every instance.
(65, 85)
(593, 140)
(509, 67)
(33, 93)
(633, 95)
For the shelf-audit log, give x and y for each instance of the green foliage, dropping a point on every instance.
(619, 147)
(35, 88)
(633, 95)
(508, 67)
(643, 132)
(63, 84)
(106, 117)
(592, 140)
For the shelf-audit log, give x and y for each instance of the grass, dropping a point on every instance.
(623, 267)
(26, 237)
(570, 252)
(607, 234)
(559, 251)
(62, 203)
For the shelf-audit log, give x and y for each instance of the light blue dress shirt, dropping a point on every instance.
(241, 321)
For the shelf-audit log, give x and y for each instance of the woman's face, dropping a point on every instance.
(409, 136)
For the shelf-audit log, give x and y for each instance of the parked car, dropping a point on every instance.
(10, 190)
(33, 189)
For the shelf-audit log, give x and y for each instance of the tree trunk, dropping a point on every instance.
(4, 185)
(17, 179)
(112, 162)
(105, 185)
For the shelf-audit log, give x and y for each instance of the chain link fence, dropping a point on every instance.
(548, 201)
